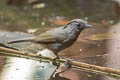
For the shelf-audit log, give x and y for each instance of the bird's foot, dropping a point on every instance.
(55, 62)
(67, 65)
(56, 58)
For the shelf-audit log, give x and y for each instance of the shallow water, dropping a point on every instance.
(23, 69)
(30, 19)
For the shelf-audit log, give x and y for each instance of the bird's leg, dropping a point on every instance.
(68, 66)
(57, 57)
(54, 60)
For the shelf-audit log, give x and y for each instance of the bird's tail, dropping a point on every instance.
(21, 40)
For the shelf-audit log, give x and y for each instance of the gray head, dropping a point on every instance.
(79, 24)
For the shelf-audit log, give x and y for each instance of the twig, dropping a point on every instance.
(75, 64)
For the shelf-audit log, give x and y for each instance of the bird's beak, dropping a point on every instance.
(88, 26)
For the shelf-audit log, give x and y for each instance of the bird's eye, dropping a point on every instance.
(79, 24)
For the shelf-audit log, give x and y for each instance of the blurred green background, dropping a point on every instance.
(24, 14)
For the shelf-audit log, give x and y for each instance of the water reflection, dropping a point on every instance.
(23, 69)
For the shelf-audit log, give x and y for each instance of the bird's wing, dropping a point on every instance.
(45, 38)
(57, 35)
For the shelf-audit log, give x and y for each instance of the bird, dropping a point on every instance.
(59, 38)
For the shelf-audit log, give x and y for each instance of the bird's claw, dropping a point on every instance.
(54, 61)
(67, 63)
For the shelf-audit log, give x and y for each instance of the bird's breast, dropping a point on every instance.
(71, 38)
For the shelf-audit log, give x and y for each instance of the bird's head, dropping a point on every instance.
(78, 24)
